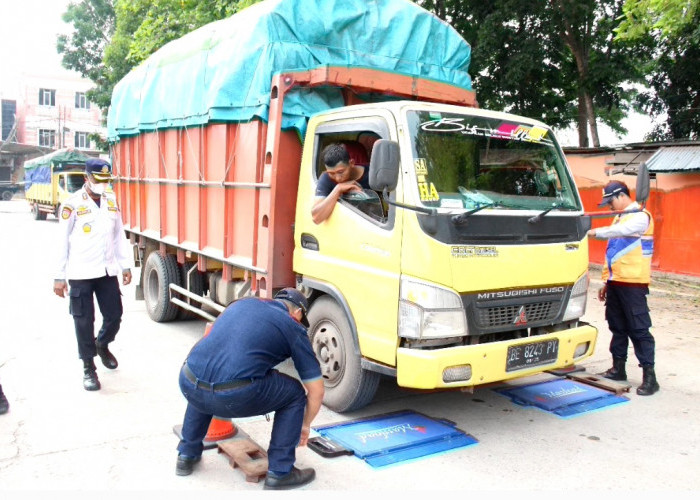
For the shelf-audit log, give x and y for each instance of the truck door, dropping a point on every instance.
(355, 253)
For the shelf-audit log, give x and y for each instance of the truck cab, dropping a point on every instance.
(465, 265)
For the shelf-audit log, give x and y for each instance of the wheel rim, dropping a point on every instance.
(330, 351)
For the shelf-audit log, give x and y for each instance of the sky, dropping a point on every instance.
(28, 30)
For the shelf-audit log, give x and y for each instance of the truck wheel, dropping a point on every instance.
(159, 272)
(348, 386)
(198, 285)
(38, 214)
(7, 195)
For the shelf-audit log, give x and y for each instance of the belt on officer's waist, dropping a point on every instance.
(222, 386)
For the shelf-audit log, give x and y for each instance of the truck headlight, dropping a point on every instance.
(429, 311)
(576, 306)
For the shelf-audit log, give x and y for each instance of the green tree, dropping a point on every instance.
(110, 37)
(554, 60)
(672, 74)
(83, 49)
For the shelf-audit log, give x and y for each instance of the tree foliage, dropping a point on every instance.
(554, 60)
(83, 49)
(672, 74)
(562, 61)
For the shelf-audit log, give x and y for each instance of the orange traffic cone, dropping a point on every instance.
(207, 328)
(220, 429)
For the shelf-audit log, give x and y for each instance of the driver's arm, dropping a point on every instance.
(323, 207)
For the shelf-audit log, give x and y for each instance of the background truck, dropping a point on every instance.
(50, 179)
(466, 264)
(8, 186)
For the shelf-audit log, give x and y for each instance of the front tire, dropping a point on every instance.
(348, 386)
(159, 272)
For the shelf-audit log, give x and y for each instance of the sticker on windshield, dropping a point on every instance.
(426, 189)
(505, 130)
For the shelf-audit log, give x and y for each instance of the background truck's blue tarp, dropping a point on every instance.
(222, 71)
(38, 170)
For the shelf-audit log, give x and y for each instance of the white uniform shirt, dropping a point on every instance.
(92, 242)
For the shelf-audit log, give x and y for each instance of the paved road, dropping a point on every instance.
(58, 437)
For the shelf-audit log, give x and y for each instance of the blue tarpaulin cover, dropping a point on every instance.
(396, 437)
(563, 397)
(223, 70)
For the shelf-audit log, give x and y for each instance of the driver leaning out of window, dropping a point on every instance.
(342, 176)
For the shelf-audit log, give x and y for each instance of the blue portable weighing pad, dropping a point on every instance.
(395, 437)
(563, 397)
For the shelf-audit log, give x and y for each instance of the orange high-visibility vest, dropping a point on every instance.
(628, 258)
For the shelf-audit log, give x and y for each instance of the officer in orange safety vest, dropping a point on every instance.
(626, 276)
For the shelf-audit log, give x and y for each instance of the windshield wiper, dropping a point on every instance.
(536, 218)
(461, 218)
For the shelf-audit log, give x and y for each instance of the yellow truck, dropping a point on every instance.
(50, 179)
(465, 264)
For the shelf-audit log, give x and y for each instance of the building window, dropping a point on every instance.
(82, 141)
(47, 97)
(47, 138)
(81, 101)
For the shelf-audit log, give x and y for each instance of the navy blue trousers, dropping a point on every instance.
(276, 392)
(82, 308)
(627, 313)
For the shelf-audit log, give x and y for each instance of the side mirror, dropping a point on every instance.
(384, 165)
(642, 192)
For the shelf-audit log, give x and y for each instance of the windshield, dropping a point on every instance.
(469, 162)
(75, 182)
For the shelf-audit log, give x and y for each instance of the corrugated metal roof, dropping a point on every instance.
(675, 159)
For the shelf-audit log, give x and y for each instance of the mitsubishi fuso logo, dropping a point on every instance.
(521, 317)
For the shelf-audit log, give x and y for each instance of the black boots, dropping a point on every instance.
(649, 384)
(90, 382)
(617, 372)
(4, 403)
(107, 357)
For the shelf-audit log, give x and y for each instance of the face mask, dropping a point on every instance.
(97, 188)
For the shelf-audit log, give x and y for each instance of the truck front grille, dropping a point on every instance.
(493, 317)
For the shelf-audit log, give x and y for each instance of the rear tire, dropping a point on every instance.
(36, 213)
(348, 386)
(7, 195)
(159, 272)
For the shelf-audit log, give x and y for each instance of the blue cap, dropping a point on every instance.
(612, 189)
(297, 298)
(99, 168)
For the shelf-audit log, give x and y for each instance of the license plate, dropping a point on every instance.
(532, 354)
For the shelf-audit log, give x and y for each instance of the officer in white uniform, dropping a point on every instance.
(92, 252)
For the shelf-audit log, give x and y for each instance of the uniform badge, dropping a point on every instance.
(65, 213)
(82, 210)
(87, 228)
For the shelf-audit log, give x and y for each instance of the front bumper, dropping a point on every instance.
(423, 369)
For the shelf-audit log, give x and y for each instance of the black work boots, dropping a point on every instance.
(90, 381)
(617, 372)
(107, 357)
(649, 384)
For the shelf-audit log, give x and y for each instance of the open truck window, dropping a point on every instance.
(359, 147)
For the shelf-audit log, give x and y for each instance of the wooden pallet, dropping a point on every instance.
(248, 456)
(615, 386)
